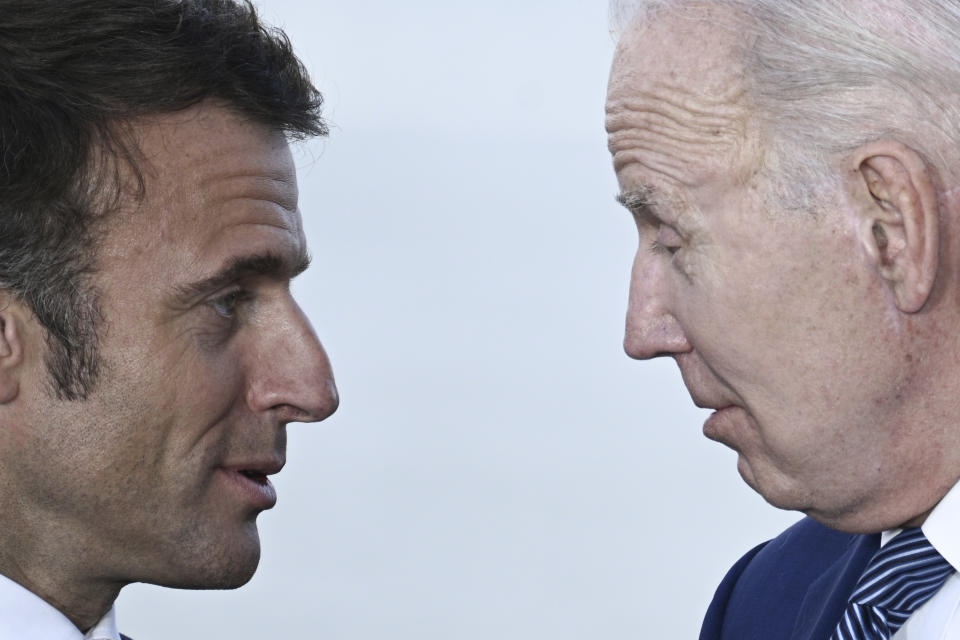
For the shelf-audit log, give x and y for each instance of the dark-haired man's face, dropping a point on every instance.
(160, 474)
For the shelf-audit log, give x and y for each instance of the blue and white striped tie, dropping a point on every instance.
(902, 575)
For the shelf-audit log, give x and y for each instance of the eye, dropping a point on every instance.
(667, 241)
(226, 305)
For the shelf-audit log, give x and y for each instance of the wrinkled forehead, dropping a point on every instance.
(208, 143)
(205, 170)
(677, 96)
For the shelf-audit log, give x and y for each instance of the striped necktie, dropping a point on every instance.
(902, 575)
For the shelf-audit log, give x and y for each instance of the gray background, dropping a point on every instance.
(498, 467)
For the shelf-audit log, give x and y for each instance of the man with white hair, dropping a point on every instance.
(793, 167)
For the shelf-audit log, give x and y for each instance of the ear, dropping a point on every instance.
(899, 220)
(11, 350)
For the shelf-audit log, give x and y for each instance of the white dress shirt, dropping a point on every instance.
(26, 616)
(939, 617)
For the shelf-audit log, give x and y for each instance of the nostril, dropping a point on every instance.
(310, 407)
(286, 414)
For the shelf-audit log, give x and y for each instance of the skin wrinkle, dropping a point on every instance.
(144, 457)
(665, 121)
(623, 140)
(840, 122)
(784, 317)
(654, 207)
(638, 155)
(627, 119)
(682, 108)
(654, 121)
(252, 188)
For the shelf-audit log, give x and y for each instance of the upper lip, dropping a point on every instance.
(716, 406)
(265, 466)
(700, 385)
(705, 401)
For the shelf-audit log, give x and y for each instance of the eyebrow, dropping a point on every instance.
(638, 201)
(264, 265)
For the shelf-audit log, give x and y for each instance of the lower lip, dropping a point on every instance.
(258, 492)
(714, 424)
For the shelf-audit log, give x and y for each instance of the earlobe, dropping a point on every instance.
(11, 354)
(899, 220)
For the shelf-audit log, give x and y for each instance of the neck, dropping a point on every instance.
(56, 562)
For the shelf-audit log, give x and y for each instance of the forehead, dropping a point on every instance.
(202, 152)
(676, 104)
(216, 186)
(206, 166)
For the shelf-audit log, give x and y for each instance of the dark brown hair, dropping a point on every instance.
(73, 74)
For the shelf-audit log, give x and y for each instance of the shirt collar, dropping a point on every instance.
(942, 526)
(26, 616)
(106, 629)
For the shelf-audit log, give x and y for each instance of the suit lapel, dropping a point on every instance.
(827, 596)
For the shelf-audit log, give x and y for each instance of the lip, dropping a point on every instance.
(264, 466)
(708, 401)
(251, 482)
(713, 425)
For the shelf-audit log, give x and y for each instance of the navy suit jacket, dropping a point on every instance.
(794, 587)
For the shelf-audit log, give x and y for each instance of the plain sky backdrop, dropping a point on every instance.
(498, 467)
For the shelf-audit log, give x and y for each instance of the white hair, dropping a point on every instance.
(827, 76)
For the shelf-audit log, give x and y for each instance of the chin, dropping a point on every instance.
(232, 576)
(212, 575)
(213, 564)
(771, 487)
(748, 476)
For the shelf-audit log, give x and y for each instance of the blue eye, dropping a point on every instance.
(226, 305)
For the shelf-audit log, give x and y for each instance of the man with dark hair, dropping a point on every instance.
(793, 168)
(151, 354)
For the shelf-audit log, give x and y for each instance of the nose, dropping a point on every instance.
(291, 376)
(652, 330)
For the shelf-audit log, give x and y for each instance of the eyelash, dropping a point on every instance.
(662, 249)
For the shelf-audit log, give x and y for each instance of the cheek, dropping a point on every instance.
(765, 349)
(206, 393)
(764, 299)
(727, 314)
(168, 404)
(189, 375)
(212, 379)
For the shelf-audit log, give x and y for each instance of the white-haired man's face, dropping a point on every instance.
(774, 317)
